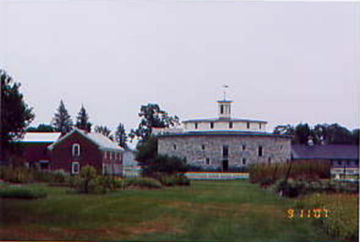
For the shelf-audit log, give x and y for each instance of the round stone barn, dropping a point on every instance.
(224, 143)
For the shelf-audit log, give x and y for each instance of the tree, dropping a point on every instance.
(82, 120)
(356, 136)
(302, 133)
(337, 134)
(284, 130)
(147, 150)
(152, 117)
(120, 136)
(16, 115)
(62, 121)
(41, 128)
(104, 131)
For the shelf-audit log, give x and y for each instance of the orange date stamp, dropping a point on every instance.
(308, 213)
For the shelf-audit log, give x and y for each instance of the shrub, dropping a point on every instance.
(22, 193)
(107, 183)
(174, 180)
(305, 170)
(86, 182)
(16, 174)
(165, 164)
(141, 182)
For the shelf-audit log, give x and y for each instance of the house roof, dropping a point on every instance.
(224, 133)
(222, 120)
(40, 137)
(103, 142)
(331, 152)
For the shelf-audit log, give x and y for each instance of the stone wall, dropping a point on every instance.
(207, 150)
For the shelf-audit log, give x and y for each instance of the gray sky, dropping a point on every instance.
(284, 62)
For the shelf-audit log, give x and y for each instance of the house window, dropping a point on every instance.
(259, 125)
(196, 125)
(203, 147)
(207, 161)
(212, 125)
(221, 109)
(243, 147)
(230, 125)
(260, 150)
(244, 161)
(76, 150)
(174, 146)
(248, 125)
(75, 167)
(269, 160)
(225, 151)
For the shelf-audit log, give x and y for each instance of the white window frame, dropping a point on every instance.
(73, 166)
(73, 150)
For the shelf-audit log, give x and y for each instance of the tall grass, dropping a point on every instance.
(307, 170)
(342, 221)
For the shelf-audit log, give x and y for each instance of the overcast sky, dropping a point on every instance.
(284, 62)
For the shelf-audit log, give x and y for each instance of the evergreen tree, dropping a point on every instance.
(41, 128)
(104, 131)
(120, 136)
(62, 121)
(82, 120)
(16, 115)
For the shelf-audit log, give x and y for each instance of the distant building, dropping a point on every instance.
(224, 143)
(131, 167)
(344, 159)
(78, 148)
(34, 146)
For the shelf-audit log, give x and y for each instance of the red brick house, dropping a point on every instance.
(34, 148)
(78, 148)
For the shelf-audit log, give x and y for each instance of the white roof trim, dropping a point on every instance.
(103, 142)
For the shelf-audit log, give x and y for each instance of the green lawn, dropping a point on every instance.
(205, 211)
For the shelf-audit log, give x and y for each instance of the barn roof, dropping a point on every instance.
(223, 133)
(40, 137)
(329, 152)
(222, 120)
(103, 142)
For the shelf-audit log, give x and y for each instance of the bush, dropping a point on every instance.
(87, 181)
(49, 176)
(165, 164)
(107, 183)
(174, 180)
(16, 174)
(22, 193)
(141, 182)
(305, 170)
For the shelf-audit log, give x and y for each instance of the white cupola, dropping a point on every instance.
(224, 108)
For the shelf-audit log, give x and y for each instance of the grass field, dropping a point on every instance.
(205, 211)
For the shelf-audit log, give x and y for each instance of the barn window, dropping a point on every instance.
(260, 150)
(174, 146)
(269, 160)
(75, 167)
(203, 147)
(244, 161)
(207, 161)
(225, 151)
(76, 150)
(212, 125)
(243, 147)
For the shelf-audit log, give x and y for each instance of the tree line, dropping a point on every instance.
(319, 133)
(16, 116)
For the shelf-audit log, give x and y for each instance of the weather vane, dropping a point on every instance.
(225, 86)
